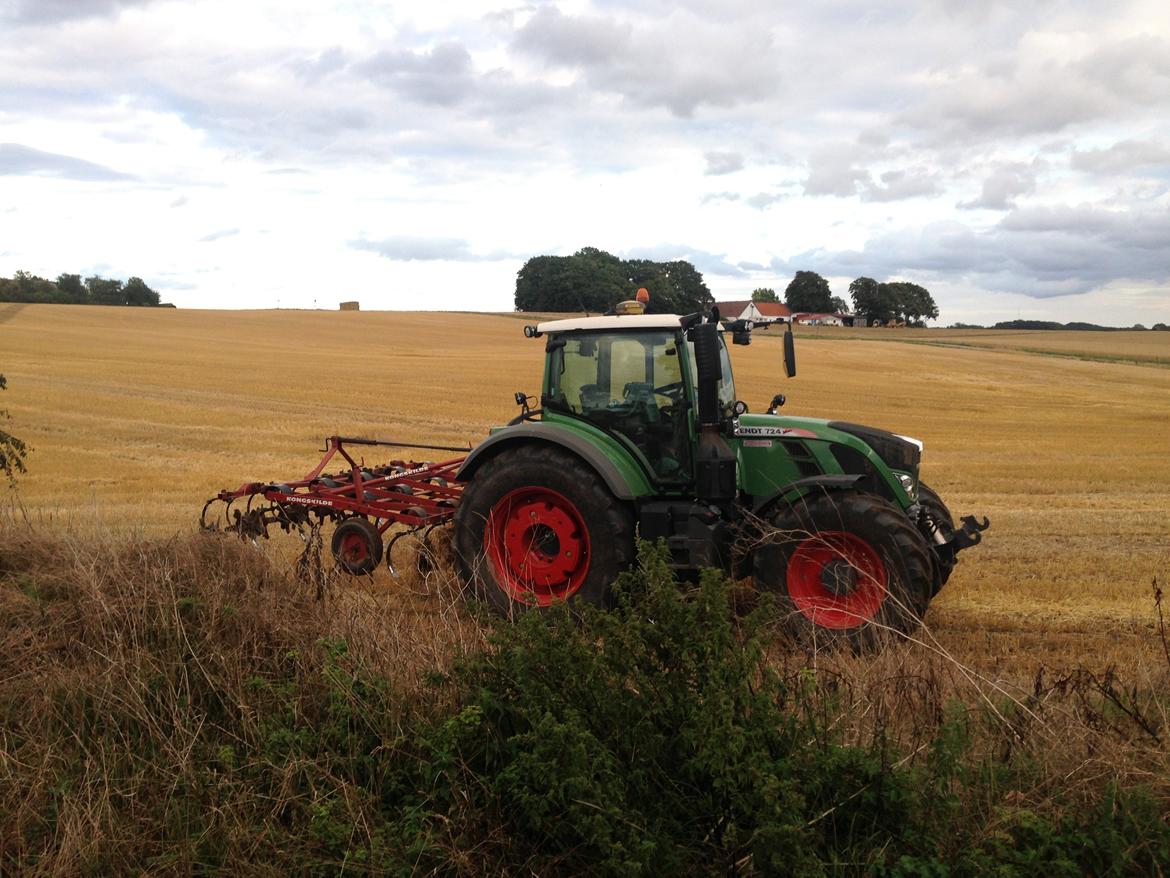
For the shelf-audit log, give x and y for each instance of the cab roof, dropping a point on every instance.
(628, 321)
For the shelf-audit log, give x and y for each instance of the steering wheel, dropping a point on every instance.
(674, 390)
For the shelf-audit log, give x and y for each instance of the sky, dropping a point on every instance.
(1013, 158)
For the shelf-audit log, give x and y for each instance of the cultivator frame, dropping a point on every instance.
(419, 495)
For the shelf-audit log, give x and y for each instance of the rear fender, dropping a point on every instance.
(625, 482)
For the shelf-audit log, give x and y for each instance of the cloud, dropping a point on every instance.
(762, 200)
(716, 197)
(898, 185)
(833, 170)
(442, 76)
(681, 63)
(1123, 157)
(52, 11)
(1041, 252)
(17, 160)
(719, 163)
(703, 260)
(216, 236)
(407, 248)
(1003, 186)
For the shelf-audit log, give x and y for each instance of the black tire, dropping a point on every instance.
(357, 546)
(848, 568)
(933, 518)
(537, 526)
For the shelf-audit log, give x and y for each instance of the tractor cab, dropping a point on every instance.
(634, 378)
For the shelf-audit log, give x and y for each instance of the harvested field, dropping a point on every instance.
(137, 415)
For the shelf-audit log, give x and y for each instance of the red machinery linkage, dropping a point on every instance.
(365, 501)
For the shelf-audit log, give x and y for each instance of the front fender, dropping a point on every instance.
(801, 487)
(621, 474)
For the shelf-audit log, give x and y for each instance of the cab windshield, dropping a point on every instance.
(630, 384)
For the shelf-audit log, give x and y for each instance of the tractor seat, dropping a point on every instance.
(593, 396)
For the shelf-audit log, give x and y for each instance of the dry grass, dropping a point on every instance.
(137, 416)
(145, 719)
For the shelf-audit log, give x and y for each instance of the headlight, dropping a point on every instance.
(907, 483)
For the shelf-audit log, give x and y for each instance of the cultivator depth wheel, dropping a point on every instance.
(357, 546)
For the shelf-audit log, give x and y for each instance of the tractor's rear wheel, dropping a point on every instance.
(936, 518)
(535, 527)
(357, 546)
(849, 568)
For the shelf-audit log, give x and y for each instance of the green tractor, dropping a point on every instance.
(640, 434)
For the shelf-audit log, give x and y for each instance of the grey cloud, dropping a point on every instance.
(1037, 253)
(715, 197)
(1126, 156)
(681, 65)
(719, 163)
(51, 11)
(1135, 69)
(899, 185)
(763, 200)
(322, 64)
(17, 160)
(407, 248)
(215, 236)
(573, 41)
(834, 171)
(703, 260)
(441, 76)
(180, 201)
(1003, 186)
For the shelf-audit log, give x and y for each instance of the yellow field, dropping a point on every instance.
(136, 416)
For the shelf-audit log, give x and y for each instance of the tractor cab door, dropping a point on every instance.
(630, 384)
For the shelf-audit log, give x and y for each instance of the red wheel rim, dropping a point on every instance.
(355, 548)
(837, 580)
(537, 545)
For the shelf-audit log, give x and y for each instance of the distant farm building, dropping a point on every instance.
(757, 312)
(351, 306)
(809, 319)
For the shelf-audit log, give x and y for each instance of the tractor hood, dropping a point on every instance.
(775, 450)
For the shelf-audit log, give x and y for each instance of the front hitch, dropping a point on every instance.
(969, 534)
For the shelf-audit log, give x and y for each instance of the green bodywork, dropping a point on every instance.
(767, 464)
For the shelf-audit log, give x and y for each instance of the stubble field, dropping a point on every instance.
(136, 416)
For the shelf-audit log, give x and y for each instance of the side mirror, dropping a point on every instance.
(777, 401)
(789, 353)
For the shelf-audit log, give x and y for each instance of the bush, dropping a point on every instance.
(182, 707)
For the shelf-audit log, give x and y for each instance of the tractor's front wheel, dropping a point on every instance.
(535, 527)
(849, 568)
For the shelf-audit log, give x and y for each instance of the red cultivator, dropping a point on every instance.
(365, 502)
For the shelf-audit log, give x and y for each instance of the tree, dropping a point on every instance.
(138, 293)
(12, 450)
(881, 302)
(838, 305)
(808, 292)
(764, 294)
(105, 292)
(870, 300)
(593, 280)
(72, 288)
(911, 302)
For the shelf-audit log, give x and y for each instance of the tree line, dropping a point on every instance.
(593, 280)
(70, 289)
(899, 301)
